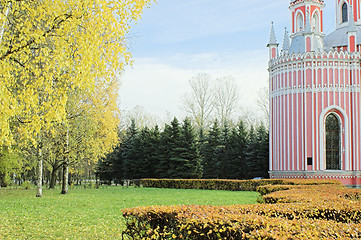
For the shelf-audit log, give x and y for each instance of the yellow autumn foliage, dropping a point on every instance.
(49, 48)
(313, 210)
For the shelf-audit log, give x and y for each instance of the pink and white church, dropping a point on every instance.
(314, 85)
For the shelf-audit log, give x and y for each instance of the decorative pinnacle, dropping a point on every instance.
(286, 42)
(272, 39)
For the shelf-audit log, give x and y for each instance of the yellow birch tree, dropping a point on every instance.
(48, 47)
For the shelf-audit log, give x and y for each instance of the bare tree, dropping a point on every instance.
(263, 102)
(141, 117)
(249, 116)
(199, 102)
(226, 98)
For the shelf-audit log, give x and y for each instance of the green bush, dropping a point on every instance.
(230, 185)
(209, 184)
(27, 185)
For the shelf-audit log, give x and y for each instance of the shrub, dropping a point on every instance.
(207, 222)
(27, 185)
(314, 210)
(231, 185)
(266, 189)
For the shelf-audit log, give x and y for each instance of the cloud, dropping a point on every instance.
(158, 83)
(179, 38)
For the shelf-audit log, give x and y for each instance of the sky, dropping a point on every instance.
(176, 39)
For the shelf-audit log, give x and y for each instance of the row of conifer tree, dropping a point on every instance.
(226, 152)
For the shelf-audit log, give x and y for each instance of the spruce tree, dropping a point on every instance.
(141, 154)
(189, 159)
(176, 163)
(262, 151)
(164, 153)
(104, 169)
(210, 152)
(147, 152)
(117, 163)
(129, 152)
(239, 140)
(238, 143)
(224, 153)
(251, 155)
(152, 153)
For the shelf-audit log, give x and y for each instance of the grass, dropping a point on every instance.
(92, 213)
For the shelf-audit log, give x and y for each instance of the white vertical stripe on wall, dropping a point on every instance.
(349, 112)
(352, 113)
(297, 126)
(321, 144)
(304, 113)
(316, 117)
(282, 121)
(274, 159)
(313, 116)
(292, 120)
(270, 100)
(288, 124)
(279, 125)
(348, 159)
(357, 158)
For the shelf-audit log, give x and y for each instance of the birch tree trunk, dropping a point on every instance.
(40, 172)
(64, 189)
(4, 23)
(2, 34)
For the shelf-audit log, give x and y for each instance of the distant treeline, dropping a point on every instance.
(227, 152)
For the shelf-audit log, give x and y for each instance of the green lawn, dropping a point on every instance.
(92, 213)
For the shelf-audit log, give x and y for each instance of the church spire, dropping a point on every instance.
(272, 39)
(286, 42)
(272, 44)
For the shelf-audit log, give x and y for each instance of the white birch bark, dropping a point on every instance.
(40, 173)
(2, 30)
(65, 187)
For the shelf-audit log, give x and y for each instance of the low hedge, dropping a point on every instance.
(324, 211)
(267, 189)
(230, 185)
(329, 193)
(207, 222)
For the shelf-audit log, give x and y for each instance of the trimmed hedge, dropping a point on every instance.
(207, 222)
(323, 211)
(230, 185)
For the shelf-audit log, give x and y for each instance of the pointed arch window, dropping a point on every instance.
(333, 143)
(315, 22)
(344, 12)
(299, 22)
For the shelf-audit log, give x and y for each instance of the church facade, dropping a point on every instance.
(314, 85)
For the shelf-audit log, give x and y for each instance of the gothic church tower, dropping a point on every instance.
(315, 103)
